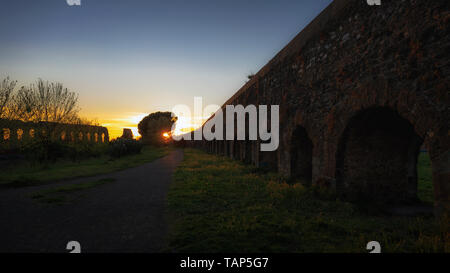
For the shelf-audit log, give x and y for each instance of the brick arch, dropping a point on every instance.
(247, 151)
(376, 157)
(381, 93)
(301, 155)
(424, 118)
(63, 136)
(6, 134)
(20, 134)
(237, 149)
(297, 119)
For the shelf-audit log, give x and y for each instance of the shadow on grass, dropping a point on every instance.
(219, 205)
(62, 194)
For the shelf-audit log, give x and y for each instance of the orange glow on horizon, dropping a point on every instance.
(117, 123)
(131, 120)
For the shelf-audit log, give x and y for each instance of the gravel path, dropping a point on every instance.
(126, 215)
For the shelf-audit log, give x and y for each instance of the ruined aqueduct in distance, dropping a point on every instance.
(13, 133)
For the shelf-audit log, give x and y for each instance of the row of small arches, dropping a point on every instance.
(73, 136)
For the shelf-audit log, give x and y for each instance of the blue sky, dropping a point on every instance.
(136, 56)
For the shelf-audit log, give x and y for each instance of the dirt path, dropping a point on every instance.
(127, 215)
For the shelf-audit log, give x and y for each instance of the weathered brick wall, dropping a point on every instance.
(353, 58)
(13, 133)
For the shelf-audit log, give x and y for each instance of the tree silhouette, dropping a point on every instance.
(153, 126)
(6, 97)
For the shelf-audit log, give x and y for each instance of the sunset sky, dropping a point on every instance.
(129, 58)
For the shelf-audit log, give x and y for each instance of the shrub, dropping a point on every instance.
(41, 150)
(122, 147)
(77, 151)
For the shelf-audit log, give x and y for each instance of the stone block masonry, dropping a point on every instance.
(360, 90)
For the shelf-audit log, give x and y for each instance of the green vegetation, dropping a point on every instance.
(219, 205)
(60, 195)
(29, 174)
(122, 147)
(44, 150)
(425, 185)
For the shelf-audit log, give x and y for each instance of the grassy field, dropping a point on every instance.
(219, 205)
(26, 174)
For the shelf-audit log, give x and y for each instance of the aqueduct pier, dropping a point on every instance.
(361, 89)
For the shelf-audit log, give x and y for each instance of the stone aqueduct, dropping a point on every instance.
(361, 89)
(13, 133)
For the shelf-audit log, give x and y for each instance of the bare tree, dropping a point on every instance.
(55, 103)
(6, 96)
(49, 102)
(87, 121)
(23, 106)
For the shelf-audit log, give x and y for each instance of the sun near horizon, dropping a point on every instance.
(129, 60)
(115, 126)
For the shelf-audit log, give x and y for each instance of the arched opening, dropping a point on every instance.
(248, 152)
(223, 144)
(268, 161)
(237, 150)
(231, 148)
(19, 134)
(96, 137)
(377, 158)
(227, 148)
(31, 133)
(6, 133)
(425, 188)
(80, 136)
(301, 155)
(216, 146)
(219, 144)
(221, 147)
